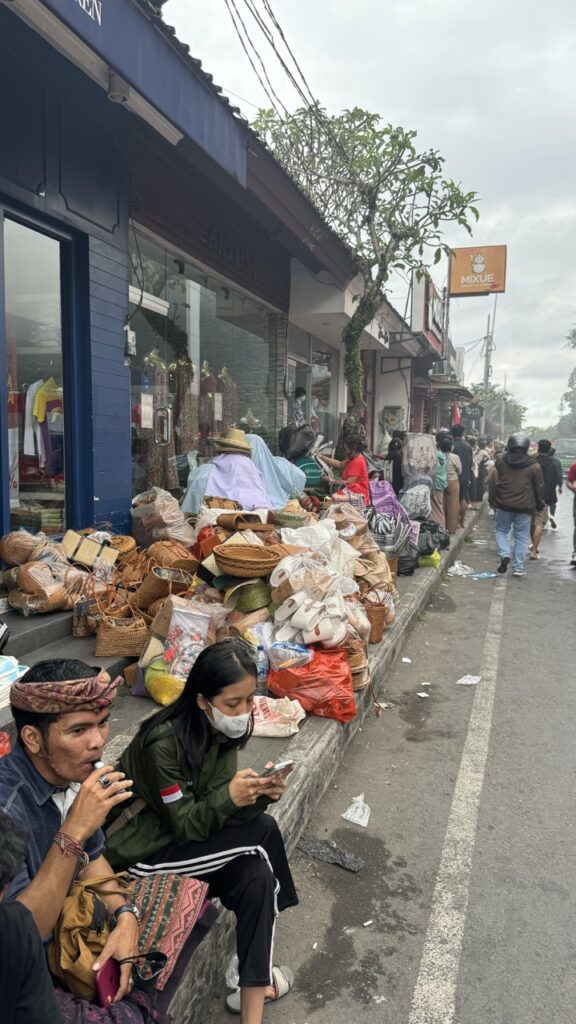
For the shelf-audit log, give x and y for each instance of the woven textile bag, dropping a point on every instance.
(170, 908)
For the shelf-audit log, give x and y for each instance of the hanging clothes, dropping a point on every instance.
(229, 390)
(33, 441)
(185, 409)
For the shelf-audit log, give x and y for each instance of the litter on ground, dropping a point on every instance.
(468, 681)
(358, 812)
(327, 851)
(407, 661)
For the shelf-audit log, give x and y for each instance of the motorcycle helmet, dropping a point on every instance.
(518, 440)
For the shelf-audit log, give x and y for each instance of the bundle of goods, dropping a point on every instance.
(416, 497)
(156, 515)
(378, 605)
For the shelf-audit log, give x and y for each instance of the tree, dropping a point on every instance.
(571, 338)
(491, 397)
(387, 201)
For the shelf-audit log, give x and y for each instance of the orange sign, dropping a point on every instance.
(478, 270)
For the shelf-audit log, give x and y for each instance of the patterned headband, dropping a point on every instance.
(92, 694)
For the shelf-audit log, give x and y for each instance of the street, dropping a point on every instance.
(464, 913)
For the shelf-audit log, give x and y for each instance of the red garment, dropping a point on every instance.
(571, 475)
(357, 467)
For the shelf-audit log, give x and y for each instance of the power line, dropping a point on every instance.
(244, 37)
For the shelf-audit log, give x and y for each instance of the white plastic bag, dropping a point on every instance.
(277, 717)
(156, 515)
(358, 812)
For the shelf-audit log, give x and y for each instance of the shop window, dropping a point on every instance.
(204, 360)
(324, 394)
(35, 379)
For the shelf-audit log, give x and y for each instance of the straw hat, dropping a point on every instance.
(234, 442)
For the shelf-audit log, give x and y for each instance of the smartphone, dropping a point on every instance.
(277, 769)
(108, 982)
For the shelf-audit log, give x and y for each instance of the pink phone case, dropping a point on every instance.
(107, 982)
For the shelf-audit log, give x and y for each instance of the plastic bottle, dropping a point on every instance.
(262, 667)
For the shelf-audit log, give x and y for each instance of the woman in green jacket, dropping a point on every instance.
(196, 814)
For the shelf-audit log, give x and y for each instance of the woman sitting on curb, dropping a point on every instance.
(202, 817)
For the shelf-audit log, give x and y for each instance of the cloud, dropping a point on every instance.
(492, 87)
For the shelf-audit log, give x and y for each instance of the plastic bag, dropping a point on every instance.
(358, 812)
(295, 441)
(323, 537)
(420, 455)
(459, 569)
(277, 717)
(186, 637)
(416, 501)
(156, 515)
(286, 655)
(324, 687)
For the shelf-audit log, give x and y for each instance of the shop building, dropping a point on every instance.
(146, 237)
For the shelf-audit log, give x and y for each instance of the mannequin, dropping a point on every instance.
(229, 391)
(185, 407)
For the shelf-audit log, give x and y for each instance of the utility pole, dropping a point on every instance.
(503, 412)
(487, 358)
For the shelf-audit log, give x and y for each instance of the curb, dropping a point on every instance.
(318, 751)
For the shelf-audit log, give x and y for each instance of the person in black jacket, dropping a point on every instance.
(464, 452)
(552, 480)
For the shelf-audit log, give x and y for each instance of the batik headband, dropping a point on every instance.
(92, 694)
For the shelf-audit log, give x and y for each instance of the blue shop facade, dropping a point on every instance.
(143, 293)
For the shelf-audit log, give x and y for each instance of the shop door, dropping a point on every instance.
(35, 390)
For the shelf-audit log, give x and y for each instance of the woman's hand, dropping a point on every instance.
(246, 787)
(276, 784)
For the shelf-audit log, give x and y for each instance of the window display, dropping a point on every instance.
(35, 383)
(205, 361)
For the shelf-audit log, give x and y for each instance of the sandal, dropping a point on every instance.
(283, 980)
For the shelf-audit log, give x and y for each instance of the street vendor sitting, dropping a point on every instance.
(49, 784)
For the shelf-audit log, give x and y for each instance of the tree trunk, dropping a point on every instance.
(363, 315)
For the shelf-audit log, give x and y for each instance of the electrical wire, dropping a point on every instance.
(244, 37)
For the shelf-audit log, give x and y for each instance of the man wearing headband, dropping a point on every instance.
(49, 784)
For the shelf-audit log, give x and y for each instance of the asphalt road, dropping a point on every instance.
(465, 912)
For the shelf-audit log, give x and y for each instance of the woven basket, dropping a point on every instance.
(245, 560)
(123, 637)
(35, 578)
(57, 600)
(238, 520)
(214, 502)
(189, 564)
(288, 520)
(253, 596)
(124, 545)
(17, 547)
(166, 552)
(135, 569)
(360, 678)
(377, 613)
(10, 577)
(160, 582)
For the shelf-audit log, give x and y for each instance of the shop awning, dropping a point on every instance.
(166, 87)
(448, 390)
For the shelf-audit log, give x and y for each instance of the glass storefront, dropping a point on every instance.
(34, 338)
(204, 359)
(313, 384)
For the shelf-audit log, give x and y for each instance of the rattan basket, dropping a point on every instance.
(160, 582)
(122, 637)
(17, 547)
(166, 552)
(245, 560)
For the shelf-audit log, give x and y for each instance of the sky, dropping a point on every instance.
(491, 84)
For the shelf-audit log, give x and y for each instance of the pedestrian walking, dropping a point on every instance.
(452, 492)
(464, 452)
(550, 474)
(571, 485)
(516, 492)
(560, 471)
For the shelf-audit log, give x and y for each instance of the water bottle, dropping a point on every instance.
(262, 667)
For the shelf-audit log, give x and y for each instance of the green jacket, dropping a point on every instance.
(184, 804)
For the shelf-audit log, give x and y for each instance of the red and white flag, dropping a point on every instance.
(456, 418)
(170, 794)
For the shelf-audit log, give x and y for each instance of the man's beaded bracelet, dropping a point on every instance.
(70, 846)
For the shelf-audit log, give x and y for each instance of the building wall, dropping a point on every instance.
(393, 391)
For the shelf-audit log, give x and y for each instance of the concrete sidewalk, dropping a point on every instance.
(317, 751)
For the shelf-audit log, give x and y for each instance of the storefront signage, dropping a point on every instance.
(93, 8)
(231, 250)
(478, 270)
(473, 412)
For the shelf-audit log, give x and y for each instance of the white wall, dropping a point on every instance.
(393, 387)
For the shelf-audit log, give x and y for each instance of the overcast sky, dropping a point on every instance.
(492, 85)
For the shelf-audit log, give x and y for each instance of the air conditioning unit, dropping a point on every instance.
(441, 368)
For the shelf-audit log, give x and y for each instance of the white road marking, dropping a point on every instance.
(435, 992)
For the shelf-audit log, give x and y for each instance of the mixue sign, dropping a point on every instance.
(478, 270)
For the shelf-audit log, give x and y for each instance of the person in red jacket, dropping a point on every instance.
(354, 468)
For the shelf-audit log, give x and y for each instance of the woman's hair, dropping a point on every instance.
(446, 444)
(53, 670)
(215, 668)
(355, 444)
(394, 447)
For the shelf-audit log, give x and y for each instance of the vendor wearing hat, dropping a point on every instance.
(234, 443)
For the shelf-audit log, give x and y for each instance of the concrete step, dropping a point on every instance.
(29, 633)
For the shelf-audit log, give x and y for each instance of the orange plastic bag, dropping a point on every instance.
(324, 687)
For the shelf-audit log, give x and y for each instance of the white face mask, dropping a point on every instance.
(232, 726)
